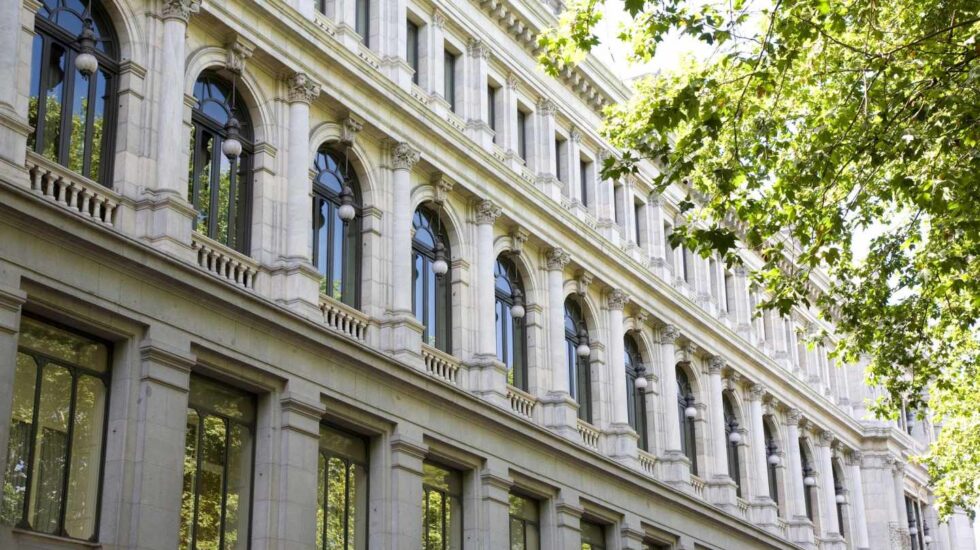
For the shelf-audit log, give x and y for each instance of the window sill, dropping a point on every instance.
(54, 541)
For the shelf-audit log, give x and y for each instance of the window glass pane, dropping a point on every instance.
(204, 161)
(86, 452)
(54, 98)
(18, 448)
(432, 533)
(64, 345)
(523, 507)
(351, 249)
(357, 509)
(517, 534)
(224, 202)
(362, 15)
(322, 238)
(210, 478)
(321, 503)
(79, 119)
(593, 536)
(454, 523)
(337, 270)
(98, 125)
(441, 478)
(52, 446)
(190, 478)
(335, 503)
(498, 307)
(215, 397)
(37, 49)
(417, 294)
(239, 484)
(341, 444)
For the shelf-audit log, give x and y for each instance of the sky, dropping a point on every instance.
(669, 55)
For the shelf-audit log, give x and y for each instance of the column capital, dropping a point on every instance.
(512, 81)
(439, 19)
(545, 106)
(404, 156)
(487, 212)
(179, 9)
(476, 48)
(794, 417)
(826, 438)
(715, 364)
(669, 334)
(574, 135)
(740, 271)
(557, 259)
(756, 392)
(897, 464)
(582, 280)
(857, 458)
(617, 299)
(302, 89)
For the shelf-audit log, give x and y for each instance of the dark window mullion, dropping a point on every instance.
(67, 470)
(89, 147)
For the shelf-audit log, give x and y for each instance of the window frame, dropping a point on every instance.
(445, 296)
(366, 465)
(412, 33)
(733, 459)
(522, 134)
(505, 267)
(445, 529)
(689, 439)
(350, 251)
(50, 33)
(449, 60)
(76, 372)
(524, 522)
(635, 397)
(579, 368)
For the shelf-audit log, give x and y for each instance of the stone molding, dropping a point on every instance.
(349, 130)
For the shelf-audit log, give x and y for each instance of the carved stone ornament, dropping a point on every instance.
(669, 334)
(487, 212)
(794, 417)
(302, 89)
(518, 237)
(558, 259)
(826, 438)
(546, 107)
(476, 48)
(238, 52)
(857, 458)
(404, 156)
(512, 81)
(582, 281)
(351, 127)
(575, 135)
(756, 392)
(740, 271)
(180, 9)
(716, 363)
(617, 299)
(439, 19)
(442, 186)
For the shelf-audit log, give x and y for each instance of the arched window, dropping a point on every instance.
(685, 408)
(731, 442)
(431, 293)
(73, 109)
(772, 461)
(809, 479)
(220, 186)
(839, 497)
(635, 397)
(509, 311)
(579, 366)
(336, 245)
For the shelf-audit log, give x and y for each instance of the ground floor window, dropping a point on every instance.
(215, 510)
(57, 426)
(442, 508)
(525, 529)
(341, 521)
(593, 536)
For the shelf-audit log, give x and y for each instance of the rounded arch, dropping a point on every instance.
(449, 216)
(250, 90)
(588, 308)
(364, 169)
(502, 245)
(130, 33)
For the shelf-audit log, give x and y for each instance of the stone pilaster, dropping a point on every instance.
(861, 541)
(676, 467)
(543, 146)
(559, 407)
(622, 438)
(299, 439)
(495, 507)
(721, 486)
(832, 539)
(488, 374)
(477, 125)
(801, 528)
(764, 510)
(11, 300)
(407, 454)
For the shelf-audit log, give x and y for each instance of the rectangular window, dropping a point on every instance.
(583, 180)
(593, 536)
(442, 508)
(342, 491)
(362, 20)
(449, 82)
(559, 158)
(57, 424)
(619, 198)
(216, 504)
(522, 134)
(638, 223)
(492, 109)
(729, 292)
(412, 50)
(525, 530)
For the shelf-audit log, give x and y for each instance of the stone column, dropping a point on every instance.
(898, 492)
(394, 40)
(404, 330)
(571, 164)
(765, 511)
(507, 115)
(543, 145)
(150, 512)
(301, 287)
(801, 526)
(658, 240)
(15, 43)
(831, 529)
(623, 438)
(407, 454)
(491, 382)
(720, 485)
(560, 408)
(677, 468)
(857, 494)
(298, 471)
(171, 215)
(743, 311)
(11, 300)
(477, 125)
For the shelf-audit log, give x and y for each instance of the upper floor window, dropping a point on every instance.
(593, 536)
(729, 288)
(584, 180)
(342, 490)
(74, 76)
(412, 49)
(492, 109)
(510, 312)
(336, 242)
(522, 134)
(560, 159)
(220, 171)
(809, 479)
(773, 461)
(577, 354)
(442, 508)
(840, 498)
(57, 424)
(687, 412)
(431, 292)
(636, 408)
(215, 512)
(362, 20)
(449, 79)
(525, 524)
(732, 439)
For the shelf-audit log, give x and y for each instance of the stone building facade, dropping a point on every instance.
(343, 274)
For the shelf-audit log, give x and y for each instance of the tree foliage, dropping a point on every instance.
(813, 122)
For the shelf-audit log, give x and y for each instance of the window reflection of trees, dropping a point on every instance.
(342, 510)
(442, 513)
